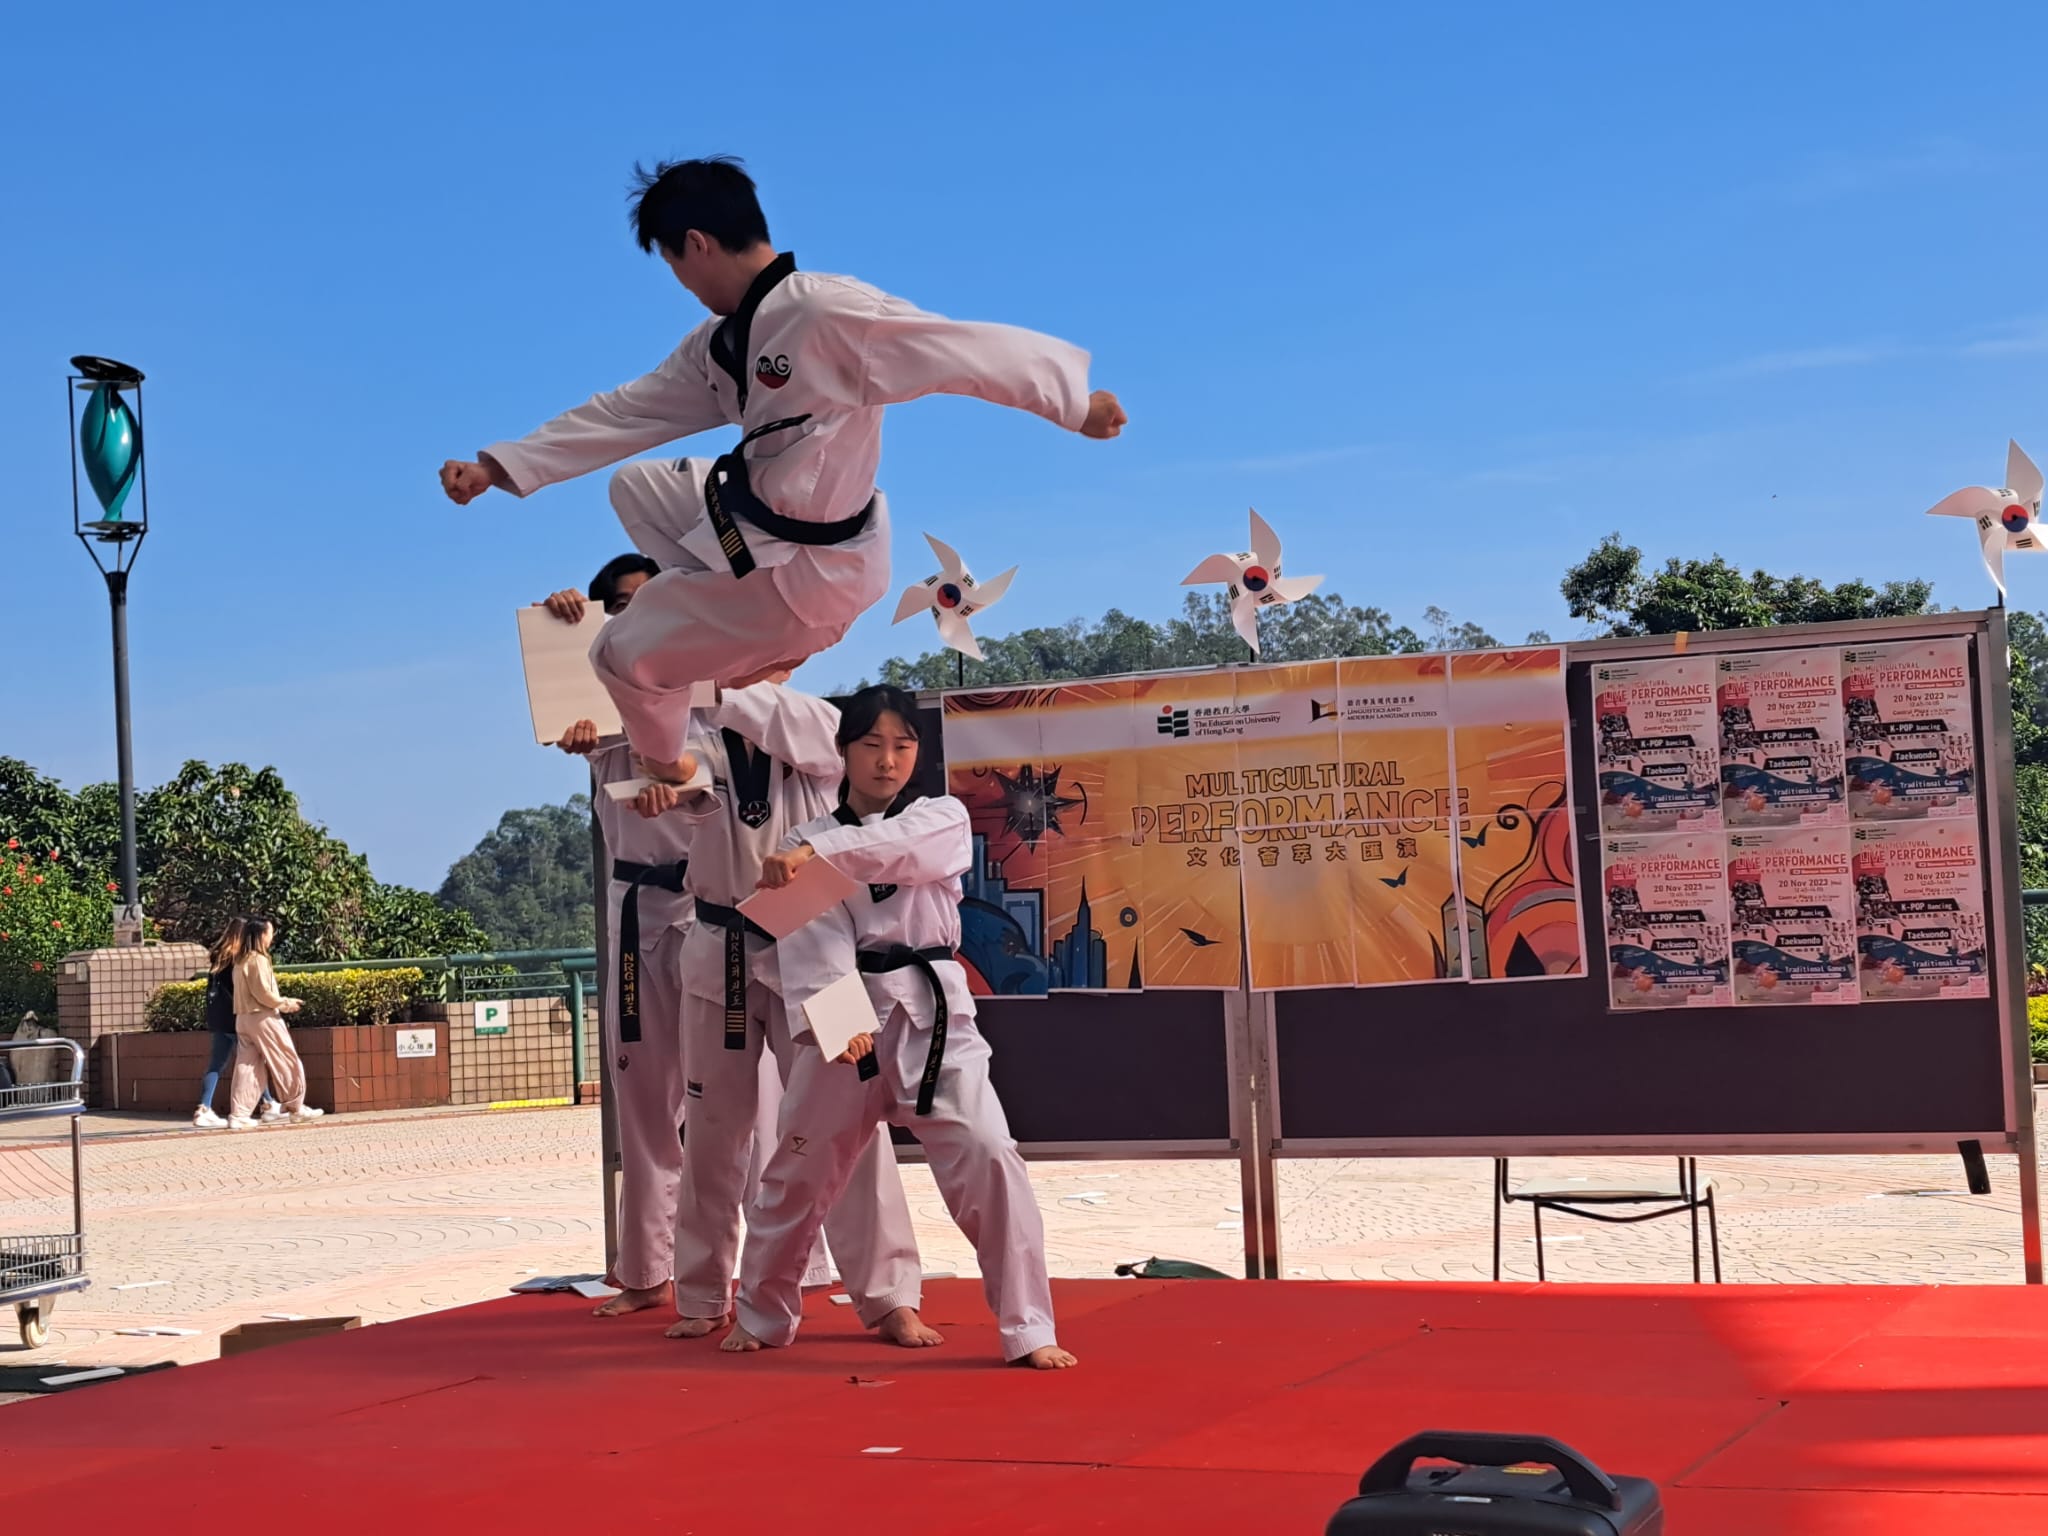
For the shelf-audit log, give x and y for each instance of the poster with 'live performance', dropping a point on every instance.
(1919, 910)
(1660, 769)
(1792, 913)
(1912, 740)
(1781, 738)
(1667, 921)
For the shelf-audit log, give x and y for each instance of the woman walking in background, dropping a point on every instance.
(264, 1053)
(220, 1020)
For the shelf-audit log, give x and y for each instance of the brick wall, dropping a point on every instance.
(533, 1059)
(352, 1068)
(102, 992)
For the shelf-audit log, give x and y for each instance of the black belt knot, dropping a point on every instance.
(735, 925)
(901, 957)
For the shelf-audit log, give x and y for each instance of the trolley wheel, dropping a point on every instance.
(34, 1317)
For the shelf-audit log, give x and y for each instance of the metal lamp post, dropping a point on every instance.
(106, 438)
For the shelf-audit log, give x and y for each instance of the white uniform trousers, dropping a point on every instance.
(731, 1099)
(826, 1111)
(693, 624)
(646, 1084)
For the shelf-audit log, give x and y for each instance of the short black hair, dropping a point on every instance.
(714, 196)
(604, 586)
(863, 711)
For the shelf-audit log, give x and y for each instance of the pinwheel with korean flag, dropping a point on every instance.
(1254, 580)
(952, 597)
(2008, 519)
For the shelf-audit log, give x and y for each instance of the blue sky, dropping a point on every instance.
(1447, 292)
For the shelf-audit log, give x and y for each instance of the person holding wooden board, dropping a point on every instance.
(772, 765)
(641, 992)
(890, 948)
(772, 550)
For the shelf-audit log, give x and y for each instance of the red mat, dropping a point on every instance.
(1200, 1407)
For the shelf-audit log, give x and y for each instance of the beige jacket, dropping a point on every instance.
(256, 987)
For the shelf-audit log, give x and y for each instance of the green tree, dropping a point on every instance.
(221, 841)
(400, 923)
(529, 880)
(1611, 589)
(212, 843)
(48, 908)
(1318, 627)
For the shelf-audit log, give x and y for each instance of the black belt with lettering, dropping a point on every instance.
(900, 957)
(736, 925)
(729, 500)
(669, 877)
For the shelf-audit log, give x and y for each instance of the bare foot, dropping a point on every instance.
(741, 1342)
(630, 1300)
(1047, 1357)
(694, 1327)
(905, 1329)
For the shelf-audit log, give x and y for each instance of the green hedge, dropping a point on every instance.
(2037, 1025)
(331, 997)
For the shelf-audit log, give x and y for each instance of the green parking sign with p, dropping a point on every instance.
(493, 1018)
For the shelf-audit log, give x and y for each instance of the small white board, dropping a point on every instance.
(816, 890)
(561, 688)
(840, 1012)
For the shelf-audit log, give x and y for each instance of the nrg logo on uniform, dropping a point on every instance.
(771, 372)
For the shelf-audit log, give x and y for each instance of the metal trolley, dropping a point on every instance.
(36, 1269)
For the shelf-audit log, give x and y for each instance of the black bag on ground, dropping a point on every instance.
(1552, 1491)
(1168, 1269)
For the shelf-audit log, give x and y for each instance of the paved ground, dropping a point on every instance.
(383, 1216)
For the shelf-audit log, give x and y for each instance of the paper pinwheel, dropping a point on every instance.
(952, 597)
(2007, 519)
(1254, 580)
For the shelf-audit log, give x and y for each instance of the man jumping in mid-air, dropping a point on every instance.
(771, 551)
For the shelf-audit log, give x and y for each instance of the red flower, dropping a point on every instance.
(14, 842)
(112, 887)
(53, 853)
(7, 890)
(56, 922)
(39, 879)
(37, 966)
(6, 935)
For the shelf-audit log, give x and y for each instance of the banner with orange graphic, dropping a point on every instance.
(1371, 822)
(1517, 873)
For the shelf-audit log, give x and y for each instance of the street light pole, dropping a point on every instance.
(106, 437)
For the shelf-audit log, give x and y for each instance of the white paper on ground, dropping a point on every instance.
(284, 1317)
(816, 890)
(156, 1333)
(140, 1285)
(840, 1012)
(69, 1377)
(625, 789)
(593, 1290)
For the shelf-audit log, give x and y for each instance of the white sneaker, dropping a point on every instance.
(204, 1119)
(241, 1123)
(308, 1113)
(270, 1114)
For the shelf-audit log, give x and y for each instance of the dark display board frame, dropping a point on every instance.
(1539, 1067)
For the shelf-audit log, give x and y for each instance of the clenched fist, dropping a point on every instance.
(465, 481)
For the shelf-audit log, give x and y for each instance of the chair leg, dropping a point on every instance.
(1714, 1233)
(1537, 1209)
(1693, 1210)
(1496, 1221)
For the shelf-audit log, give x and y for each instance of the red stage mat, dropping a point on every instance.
(1199, 1407)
